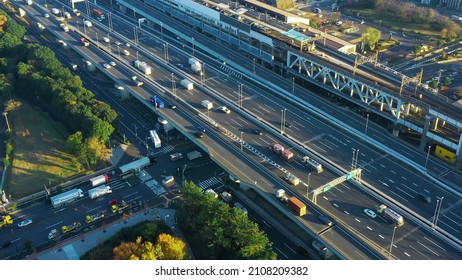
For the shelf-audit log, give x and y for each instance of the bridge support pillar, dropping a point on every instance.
(423, 142)
(396, 129)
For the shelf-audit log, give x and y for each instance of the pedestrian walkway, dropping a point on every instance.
(74, 248)
(163, 150)
(209, 183)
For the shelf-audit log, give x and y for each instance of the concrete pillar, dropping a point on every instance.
(423, 142)
(396, 129)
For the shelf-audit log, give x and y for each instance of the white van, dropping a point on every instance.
(55, 11)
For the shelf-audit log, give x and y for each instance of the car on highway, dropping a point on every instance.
(258, 132)
(126, 52)
(201, 128)
(24, 223)
(370, 213)
(106, 65)
(112, 63)
(46, 15)
(119, 87)
(287, 124)
(127, 45)
(118, 43)
(199, 134)
(225, 110)
(325, 220)
(172, 106)
(168, 180)
(106, 39)
(112, 202)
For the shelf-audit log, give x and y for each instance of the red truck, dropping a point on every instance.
(296, 205)
(96, 12)
(279, 149)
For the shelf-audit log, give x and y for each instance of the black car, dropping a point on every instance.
(258, 132)
(325, 220)
(199, 134)
(287, 124)
(172, 106)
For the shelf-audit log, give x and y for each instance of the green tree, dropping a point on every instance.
(371, 36)
(74, 143)
(447, 81)
(433, 84)
(15, 29)
(172, 248)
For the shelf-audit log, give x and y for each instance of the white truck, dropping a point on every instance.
(312, 164)
(99, 191)
(55, 11)
(193, 155)
(193, 60)
(207, 104)
(98, 180)
(196, 68)
(187, 84)
(142, 66)
(390, 215)
(29, 2)
(176, 156)
(66, 197)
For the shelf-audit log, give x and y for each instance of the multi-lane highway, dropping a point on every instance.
(301, 124)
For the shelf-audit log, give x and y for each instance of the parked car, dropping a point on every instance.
(24, 223)
(168, 179)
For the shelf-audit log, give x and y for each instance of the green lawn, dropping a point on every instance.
(39, 156)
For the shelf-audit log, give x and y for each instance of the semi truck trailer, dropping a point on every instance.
(66, 197)
(292, 202)
(99, 191)
(98, 180)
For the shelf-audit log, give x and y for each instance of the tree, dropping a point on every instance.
(447, 81)
(371, 36)
(444, 55)
(433, 84)
(127, 251)
(15, 29)
(172, 248)
(417, 49)
(74, 143)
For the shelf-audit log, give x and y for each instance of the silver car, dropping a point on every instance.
(370, 213)
(24, 223)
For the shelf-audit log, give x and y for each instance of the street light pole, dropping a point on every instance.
(437, 211)
(293, 85)
(182, 174)
(367, 122)
(426, 160)
(254, 66)
(192, 38)
(308, 184)
(242, 141)
(161, 30)
(392, 238)
(6, 119)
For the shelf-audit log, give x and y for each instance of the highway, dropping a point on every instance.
(220, 117)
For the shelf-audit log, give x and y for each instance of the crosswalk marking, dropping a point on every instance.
(163, 150)
(231, 71)
(156, 187)
(207, 184)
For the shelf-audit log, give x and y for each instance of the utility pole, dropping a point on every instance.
(7, 123)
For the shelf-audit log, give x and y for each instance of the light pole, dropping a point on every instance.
(392, 238)
(192, 38)
(242, 141)
(426, 160)
(136, 129)
(166, 52)
(6, 119)
(118, 50)
(137, 56)
(367, 122)
(182, 173)
(439, 201)
(254, 66)
(308, 184)
(293, 85)
(78, 26)
(161, 30)
(97, 44)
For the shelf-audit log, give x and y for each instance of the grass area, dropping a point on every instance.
(39, 156)
(390, 21)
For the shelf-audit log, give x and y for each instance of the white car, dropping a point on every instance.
(118, 43)
(106, 65)
(126, 52)
(168, 179)
(370, 213)
(24, 223)
(47, 15)
(106, 39)
(127, 45)
(226, 110)
(112, 63)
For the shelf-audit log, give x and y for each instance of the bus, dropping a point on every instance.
(157, 102)
(155, 138)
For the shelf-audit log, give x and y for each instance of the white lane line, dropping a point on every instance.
(435, 244)
(335, 205)
(392, 171)
(53, 225)
(423, 245)
(282, 253)
(290, 248)
(381, 236)
(356, 219)
(346, 212)
(404, 178)
(369, 228)
(398, 195)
